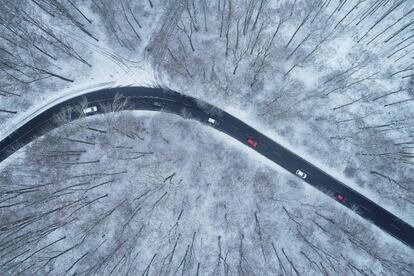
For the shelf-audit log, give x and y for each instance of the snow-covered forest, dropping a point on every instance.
(145, 194)
(149, 194)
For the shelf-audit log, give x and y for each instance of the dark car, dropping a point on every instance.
(158, 104)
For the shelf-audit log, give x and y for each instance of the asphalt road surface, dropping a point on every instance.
(158, 99)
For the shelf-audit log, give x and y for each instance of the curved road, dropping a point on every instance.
(141, 98)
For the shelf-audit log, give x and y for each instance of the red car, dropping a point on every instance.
(251, 142)
(340, 197)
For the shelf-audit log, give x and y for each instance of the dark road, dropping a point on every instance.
(140, 98)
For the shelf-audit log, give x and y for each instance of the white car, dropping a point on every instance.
(301, 174)
(91, 109)
(212, 121)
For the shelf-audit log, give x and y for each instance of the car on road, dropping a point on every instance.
(251, 142)
(340, 197)
(212, 121)
(158, 104)
(301, 174)
(91, 109)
